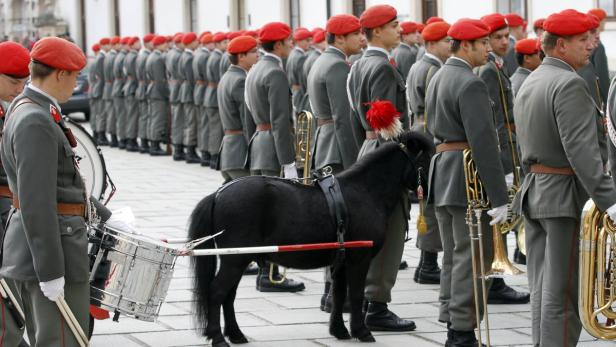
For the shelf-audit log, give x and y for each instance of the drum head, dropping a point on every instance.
(90, 160)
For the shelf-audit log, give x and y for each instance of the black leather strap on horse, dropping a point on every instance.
(338, 211)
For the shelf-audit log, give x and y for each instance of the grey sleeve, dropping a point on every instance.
(248, 123)
(280, 116)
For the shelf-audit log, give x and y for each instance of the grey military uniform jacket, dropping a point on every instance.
(118, 75)
(268, 97)
(188, 85)
(598, 58)
(130, 73)
(592, 81)
(518, 77)
(495, 79)
(224, 63)
(212, 74)
(419, 77)
(199, 67)
(510, 60)
(611, 107)
(108, 74)
(172, 66)
(295, 68)
(97, 84)
(336, 142)
(557, 129)
(405, 56)
(41, 245)
(142, 79)
(234, 115)
(313, 55)
(158, 89)
(459, 106)
(373, 78)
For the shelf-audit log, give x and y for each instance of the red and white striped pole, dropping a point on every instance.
(277, 249)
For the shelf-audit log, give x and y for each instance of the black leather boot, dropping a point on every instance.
(101, 139)
(114, 141)
(329, 302)
(122, 144)
(380, 318)
(191, 155)
(427, 271)
(155, 149)
(251, 269)
(178, 152)
(132, 145)
(213, 161)
(205, 158)
(519, 257)
(464, 339)
(145, 146)
(501, 294)
(287, 285)
(450, 334)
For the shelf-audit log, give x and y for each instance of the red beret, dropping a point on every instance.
(189, 38)
(178, 38)
(115, 40)
(241, 44)
(434, 20)
(420, 27)
(234, 34)
(59, 54)
(318, 36)
(408, 27)
(96, 47)
(528, 46)
(148, 37)
(378, 15)
(435, 31)
(539, 23)
(207, 38)
(342, 24)
(301, 34)
(600, 13)
(219, 36)
(133, 40)
(594, 22)
(567, 23)
(316, 30)
(468, 29)
(15, 60)
(252, 33)
(515, 20)
(159, 40)
(104, 41)
(169, 38)
(274, 31)
(125, 40)
(494, 21)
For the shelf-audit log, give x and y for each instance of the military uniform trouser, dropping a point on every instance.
(119, 106)
(431, 240)
(131, 117)
(457, 301)
(230, 175)
(384, 267)
(143, 120)
(159, 119)
(107, 118)
(216, 132)
(44, 323)
(190, 125)
(94, 112)
(177, 123)
(553, 267)
(265, 173)
(203, 129)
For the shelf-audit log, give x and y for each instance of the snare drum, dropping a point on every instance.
(138, 273)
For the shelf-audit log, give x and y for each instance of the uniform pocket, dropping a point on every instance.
(74, 241)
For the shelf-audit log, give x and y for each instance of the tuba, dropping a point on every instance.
(597, 292)
(303, 143)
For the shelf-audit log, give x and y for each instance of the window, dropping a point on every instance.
(429, 8)
(294, 15)
(609, 6)
(359, 6)
(512, 6)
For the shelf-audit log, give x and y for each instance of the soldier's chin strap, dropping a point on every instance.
(338, 211)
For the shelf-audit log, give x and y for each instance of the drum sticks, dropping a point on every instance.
(70, 319)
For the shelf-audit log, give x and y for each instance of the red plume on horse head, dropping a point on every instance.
(384, 118)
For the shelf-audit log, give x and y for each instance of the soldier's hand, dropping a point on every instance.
(612, 213)
(290, 170)
(509, 180)
(53, 289)
(498, 214)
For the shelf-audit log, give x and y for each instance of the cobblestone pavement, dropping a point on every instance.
(162, 193)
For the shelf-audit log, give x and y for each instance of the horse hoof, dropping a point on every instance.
(220, 342)
(367, 338)
(238, 339)
(340, 334)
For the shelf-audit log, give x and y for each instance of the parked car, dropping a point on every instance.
(80, 100)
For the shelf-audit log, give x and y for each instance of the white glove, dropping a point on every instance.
(509, 180)
(612, 212)
(289, 170)
(53, 289)
(498, 214)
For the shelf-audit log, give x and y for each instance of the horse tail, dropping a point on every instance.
(201, 225)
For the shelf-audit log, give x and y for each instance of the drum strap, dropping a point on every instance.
(338, 211)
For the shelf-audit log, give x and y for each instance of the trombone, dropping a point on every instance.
(303, 143)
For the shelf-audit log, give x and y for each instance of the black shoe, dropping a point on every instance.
(101, 139)
(450, 335)
(213, 161)
(178, 152)
(251, 269)
(145, 146)
(329, 304)
(501, 294)
(114, 141)
(266, 286)
(463, 338)
(155, 149)
(191, 155)
(427, 271)
(380, 318)
(519, 257)
(205, 158)
(132, 145)
(122, 144)
(403, 265)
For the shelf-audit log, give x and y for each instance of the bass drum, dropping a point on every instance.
(91, 162)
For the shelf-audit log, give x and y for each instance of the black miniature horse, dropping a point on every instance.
(263, 211)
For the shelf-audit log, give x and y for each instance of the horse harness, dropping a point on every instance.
(338, 211)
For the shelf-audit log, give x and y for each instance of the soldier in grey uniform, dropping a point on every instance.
(14, 74)
(96, 91)
(117, 129)
(419, 77)
(516, 33)
(94, 99)
(335, 144)
(158, 96)
(318, 46)
(131, 119)
(495, 77)
(295, 66)
(140, 93)
(190, 42)
(459, 105)
(405, 54)
(110, 119)
(382, 31)
(199, 70)
(210, 101)
(598, 58)
(557, 137)
(528, 54)
(271, 148)
(175, 77)
(236, 119)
